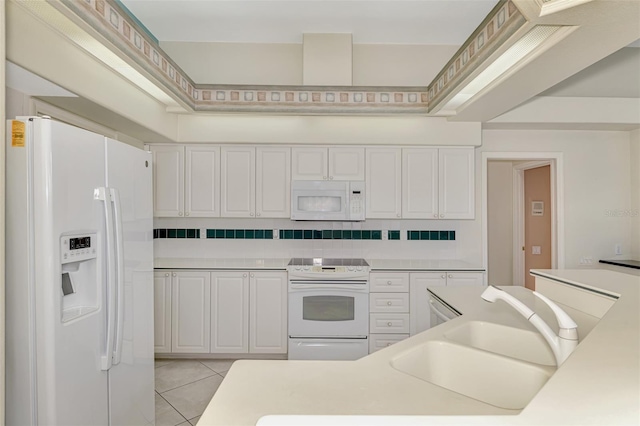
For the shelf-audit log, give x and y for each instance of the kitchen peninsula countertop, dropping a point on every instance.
(598, 384)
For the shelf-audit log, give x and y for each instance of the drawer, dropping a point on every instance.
(381, 341)
(389, 302)
(389, 323)
(383, 282)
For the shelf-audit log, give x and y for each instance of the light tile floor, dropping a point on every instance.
(184, 388)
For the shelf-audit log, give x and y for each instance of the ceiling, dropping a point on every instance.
(276, 21)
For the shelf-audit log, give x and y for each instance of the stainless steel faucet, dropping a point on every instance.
(561, 344)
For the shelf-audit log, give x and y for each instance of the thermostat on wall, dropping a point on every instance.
(537, 208)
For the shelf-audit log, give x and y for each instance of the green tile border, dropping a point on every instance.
(304, 234)
(430, 235)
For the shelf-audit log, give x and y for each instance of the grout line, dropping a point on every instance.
(190, 383)
(177, 411)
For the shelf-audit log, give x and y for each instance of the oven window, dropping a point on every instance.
(328, 308)
(319, 204)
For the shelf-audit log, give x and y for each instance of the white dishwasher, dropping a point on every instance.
(440, 311)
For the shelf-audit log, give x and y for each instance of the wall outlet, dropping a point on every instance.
(585, 260)
(618, 249)
(535, 249)
(276, 234)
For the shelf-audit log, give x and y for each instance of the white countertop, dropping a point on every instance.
(203, 263)
(598, 384)
(281, 264)
(423, 264)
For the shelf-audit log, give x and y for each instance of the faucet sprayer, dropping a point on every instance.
(562, 344)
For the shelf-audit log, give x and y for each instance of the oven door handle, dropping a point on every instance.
(328, 285)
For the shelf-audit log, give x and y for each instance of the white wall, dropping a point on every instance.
(281, 64)
(597, 185)
(500, 222)
(16, 103)
(635, 193)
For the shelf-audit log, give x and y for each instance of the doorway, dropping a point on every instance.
(509, 238)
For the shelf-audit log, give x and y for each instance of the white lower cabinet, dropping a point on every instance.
(162, 311)
(381, 341)
(268, 313)
(190, 312)
(388, 309)
(232, 312)
(229, 312)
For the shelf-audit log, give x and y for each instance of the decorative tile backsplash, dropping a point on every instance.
(304, 234)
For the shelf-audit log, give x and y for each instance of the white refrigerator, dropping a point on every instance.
(79, 278)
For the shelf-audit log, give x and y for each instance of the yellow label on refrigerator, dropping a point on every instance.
(17, 133)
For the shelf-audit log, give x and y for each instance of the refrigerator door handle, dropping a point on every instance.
(119, 246)
(104, 195)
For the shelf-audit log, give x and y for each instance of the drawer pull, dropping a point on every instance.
(389, 303)
(388, 282)
(388, 343)
(450, 276)
(389, 324)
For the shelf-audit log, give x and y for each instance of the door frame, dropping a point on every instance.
(533, 159)
(519, 211)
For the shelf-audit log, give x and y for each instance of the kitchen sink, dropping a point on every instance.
(493, 379)
(513, 342)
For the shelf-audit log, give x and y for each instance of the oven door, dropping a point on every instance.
(328, 309)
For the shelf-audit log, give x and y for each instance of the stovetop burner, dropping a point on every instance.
(309, 261)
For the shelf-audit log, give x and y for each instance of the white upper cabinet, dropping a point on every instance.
(456, 183)
(383, 183)
(168, 180)
(238, 181)
(310, 163)
(202, 181)
(328, 163)
(346, 163)
(438, 183)
(420, 183)
(186, 181)
(273, 182)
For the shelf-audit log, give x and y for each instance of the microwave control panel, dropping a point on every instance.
(356, 200)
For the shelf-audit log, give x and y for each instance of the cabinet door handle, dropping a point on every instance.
(251, 214)
(330, 177)
(450, 276)
(441, 215)
(252, 275)
(324, 177)
(398, 215)
(173, 275)
(179, 213)
(244, 275)
(435, 215)
(443, 276)
(166, 275)
(257, 214)
(186, 214)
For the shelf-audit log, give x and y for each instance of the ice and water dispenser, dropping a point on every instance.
(80, 281)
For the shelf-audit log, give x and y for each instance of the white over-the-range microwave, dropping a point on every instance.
(327, 200)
